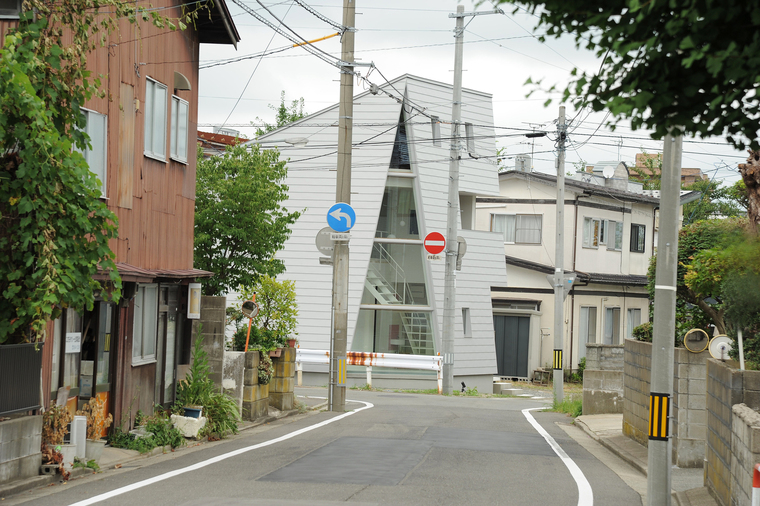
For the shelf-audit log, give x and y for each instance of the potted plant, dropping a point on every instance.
(97, 423)
(197, 387)
(55, 426)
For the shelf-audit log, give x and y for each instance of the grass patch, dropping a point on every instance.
(366, 387)
(428, 391)
(570, 405)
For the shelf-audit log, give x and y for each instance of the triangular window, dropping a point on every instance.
(400, 154)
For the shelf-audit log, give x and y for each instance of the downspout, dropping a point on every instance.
(572, 291)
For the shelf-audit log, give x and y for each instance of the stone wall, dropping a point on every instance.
(233, 377)
(745, 452)
(20, 442)
(281, 388)
(212, 322)
(727, 387)
(603, 379)
(255, 396)
(688, 414)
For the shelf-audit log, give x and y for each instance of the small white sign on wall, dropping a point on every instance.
(73, 342)
(194, 301)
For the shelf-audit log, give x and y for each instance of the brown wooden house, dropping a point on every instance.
(143, 150)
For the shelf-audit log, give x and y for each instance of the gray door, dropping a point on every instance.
(511, 333)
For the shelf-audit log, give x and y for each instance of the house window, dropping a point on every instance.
(435, 124)
(180, 115)
(145, 323)
(591, 231)
(518, 228)
(634, 320)
(155, 120)
(615, 232)
(96, 128)
(470, 138)
(587, 329)
(638, 235)
(466, 323)
(10, 9)
(611, 325)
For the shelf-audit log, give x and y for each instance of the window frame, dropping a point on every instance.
(176, 123)
(612, 243)
(591, 237)
(516, 218)
(140, 323)
(470, 137)
(12, 13)
(640, 233)
(153, 119)
(615, 335)
(102, 171)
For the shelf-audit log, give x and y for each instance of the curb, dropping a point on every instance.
(612, 447)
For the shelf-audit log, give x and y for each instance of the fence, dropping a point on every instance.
(370, 360)
(20, 366)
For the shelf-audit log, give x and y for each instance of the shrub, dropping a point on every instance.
(55, 424)
(266, 369)
(96, 422)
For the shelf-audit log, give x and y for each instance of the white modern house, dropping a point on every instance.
(610, 235)
(399, 193)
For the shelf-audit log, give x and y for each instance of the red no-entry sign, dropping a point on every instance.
(434, 243)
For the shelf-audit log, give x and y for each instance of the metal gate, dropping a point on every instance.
(512, 338)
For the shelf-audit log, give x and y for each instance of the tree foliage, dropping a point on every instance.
(278, 309)
(716, 201)
(240, 222)
(682, 67)
(284, 115)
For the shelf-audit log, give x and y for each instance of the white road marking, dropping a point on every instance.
(200, 465)
(585, 494)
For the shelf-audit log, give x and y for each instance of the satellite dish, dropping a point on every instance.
(696, 340)
(720, 346)
(608, 171)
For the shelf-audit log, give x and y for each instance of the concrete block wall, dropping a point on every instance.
(20, 442)
(255, 396)
(724, 390)
(688, 409)
(212, 321)
(725, 453)
(281, 388)
(603, 379)
(233, 377)
(636, 379)
(745, 452)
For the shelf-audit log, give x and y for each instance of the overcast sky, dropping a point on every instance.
(416, 37)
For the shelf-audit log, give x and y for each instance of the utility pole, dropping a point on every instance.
(337, 390)
(559, 262)
(452, 216)
(449, 285)
(663, 331)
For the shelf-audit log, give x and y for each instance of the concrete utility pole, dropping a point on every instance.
(661, 387)
(559, 262)
(449, 287)
(337, 390)
(452, 216)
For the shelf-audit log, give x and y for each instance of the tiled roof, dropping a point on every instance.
(585, 277)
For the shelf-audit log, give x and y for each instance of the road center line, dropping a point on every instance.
(214, 460)
(585, 494)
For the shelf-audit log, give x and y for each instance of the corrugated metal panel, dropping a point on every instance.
(20, 366)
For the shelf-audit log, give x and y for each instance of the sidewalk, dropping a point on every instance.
(688, 489)
(115, 458)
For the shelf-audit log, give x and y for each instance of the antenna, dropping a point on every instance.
(608, 171)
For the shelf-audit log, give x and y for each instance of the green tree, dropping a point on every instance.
(680, 67)
(240, 222)
(284, 115)
(716, 201)
(54, 230)
(278, 310)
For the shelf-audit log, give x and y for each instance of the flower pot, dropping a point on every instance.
(291, 343)
(193, 411)
(69, 452)
(94, 449)
(275, 353)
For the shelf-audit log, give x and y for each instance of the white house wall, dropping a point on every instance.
(312, 188)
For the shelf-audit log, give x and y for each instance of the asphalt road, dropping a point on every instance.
(399, 449)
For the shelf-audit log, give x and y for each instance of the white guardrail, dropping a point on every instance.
(370, 360)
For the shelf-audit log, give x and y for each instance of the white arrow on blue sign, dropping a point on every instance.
(341, 217)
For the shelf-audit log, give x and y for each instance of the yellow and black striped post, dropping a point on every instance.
(342, 371)
(659, 410)
(557, 360)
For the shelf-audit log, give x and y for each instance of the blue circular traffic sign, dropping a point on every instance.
(341, 217)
